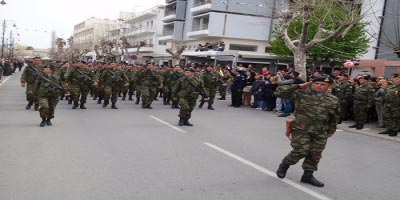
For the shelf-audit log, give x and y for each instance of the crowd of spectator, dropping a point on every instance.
(9, 66)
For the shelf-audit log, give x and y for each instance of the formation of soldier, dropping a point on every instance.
(106, 82)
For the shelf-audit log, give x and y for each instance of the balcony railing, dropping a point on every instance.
(170, 12)
(168, 32)
(201, 2)
(200, 27)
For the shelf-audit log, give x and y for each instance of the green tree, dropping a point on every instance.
(305, 24)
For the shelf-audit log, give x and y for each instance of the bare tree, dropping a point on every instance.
(304, 10)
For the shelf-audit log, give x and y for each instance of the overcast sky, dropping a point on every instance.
(36, 19)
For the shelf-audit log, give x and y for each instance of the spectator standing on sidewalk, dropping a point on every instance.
(379, 95)
(363, 100)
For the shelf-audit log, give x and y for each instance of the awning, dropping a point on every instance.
(246, 54)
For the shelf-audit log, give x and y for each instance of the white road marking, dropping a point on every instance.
(339, 130)
(168, 124)
(5, 80)
(269, 173)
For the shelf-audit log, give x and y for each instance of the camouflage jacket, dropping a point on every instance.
(343, 91)
(107, 77)
(313, 113)
(364, 95)
(210, 79)
(44, 89)
(73, 77)
(188, 88)
(174, 77)
(28, 75)
(149, 77)
(392, 96)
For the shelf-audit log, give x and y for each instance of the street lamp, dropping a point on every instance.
(3, 3)
(4, 30)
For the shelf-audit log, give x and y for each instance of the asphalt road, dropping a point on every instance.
(131, 153)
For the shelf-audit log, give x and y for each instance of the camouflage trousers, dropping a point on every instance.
(306, 145)
(47, 106)
(187, 106)
(391, 117)
(148, 93)
(222, 90)
(31, 93)
(211, 94)
(360, 113)
(79, 91)
(111, 92)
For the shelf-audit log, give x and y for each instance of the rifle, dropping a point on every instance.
(216, 78)
(115, 76)
(83, 75)
(196, 88)
(50, 82)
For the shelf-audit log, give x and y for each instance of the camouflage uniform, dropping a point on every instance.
(315, 118)
(175, 76)
(363, 99)
(187, 95)
(48, 96)
(210, 82)
(391, 113)
(150, 81)
(166, 83)
(343, 92)
(223, 86)
(79, 87)
(29, 77)
(112, 86)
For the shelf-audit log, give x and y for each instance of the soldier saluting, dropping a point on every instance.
(187, 90)
(316, 116)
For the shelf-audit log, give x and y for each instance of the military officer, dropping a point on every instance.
(343, 92)
(150, 81)
(187, 90)
(211, 81)
(79, 79)
(317, 112)
(175, 76)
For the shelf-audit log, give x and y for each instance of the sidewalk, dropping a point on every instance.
(369, 130)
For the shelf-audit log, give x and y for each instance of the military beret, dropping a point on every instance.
(189, 70)
(52, 67)
(325, 79)
(37, 57)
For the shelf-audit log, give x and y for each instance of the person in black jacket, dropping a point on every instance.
(237, 88)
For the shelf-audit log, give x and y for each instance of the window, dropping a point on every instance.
(240, 47)
(162, 43)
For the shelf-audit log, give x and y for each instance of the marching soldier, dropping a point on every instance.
(150, 81)
(79, 79)
(48, 89)
(175, 76)
(391, 113)
(225, 77)
(363, 100)
(28, 79)
(211, 81)
(113, 80)
(187, 90)
(317, 112)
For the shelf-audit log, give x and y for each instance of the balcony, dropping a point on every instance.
(141, 31)
(201, 6)
(169, 16)
(167, 35)
(199, 30)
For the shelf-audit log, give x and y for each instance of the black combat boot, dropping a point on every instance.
(187, 123)
(165, 100)
(360, 126)
(113, 105)
(62, 97)
(130, 97)
(354, 125)
(181, 121)
(29, 105)
(48, 122)
(340, 121)
(386, 132)
(82, 106)
(210, 107)
(201, 104)
(36, 106)
(148, 106)
(144, 105)
(99, 100)
(44, 122)
(105, 104)
(123, 96)
(222, 98)
(310, 179)
(173, 105)
(137, 100)
(70, 100)
(393, 133)
(281, 172)
(76, 104)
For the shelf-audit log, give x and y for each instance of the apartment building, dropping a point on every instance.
(235, 31)
(91, 31)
